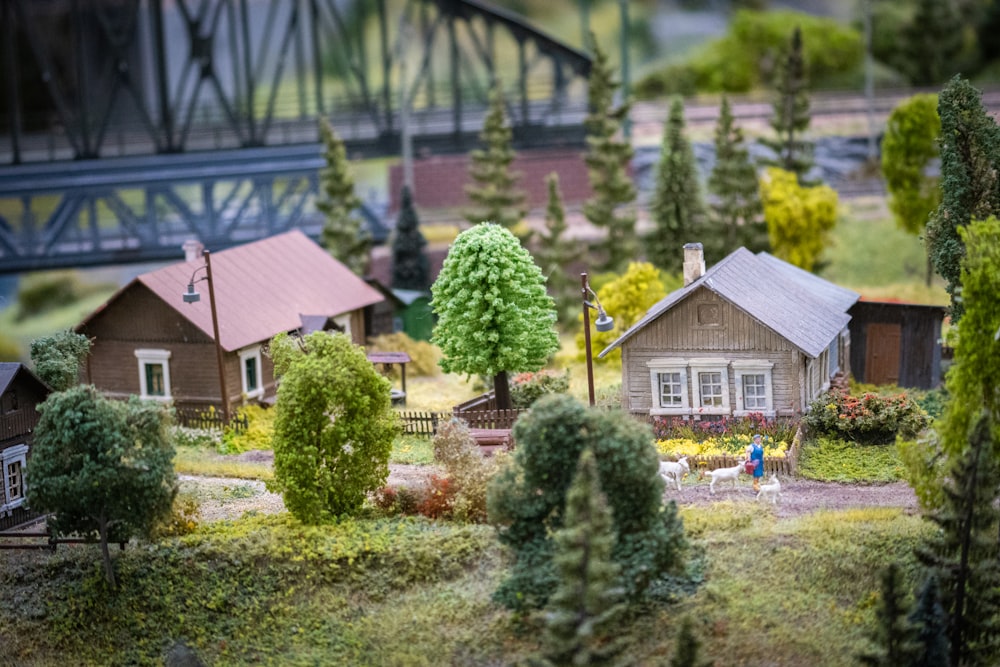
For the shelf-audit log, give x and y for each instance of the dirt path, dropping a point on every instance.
(227, 498)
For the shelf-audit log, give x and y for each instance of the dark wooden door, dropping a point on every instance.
(882, 353)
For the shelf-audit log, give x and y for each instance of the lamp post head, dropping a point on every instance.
(191, 296)
(604, 321)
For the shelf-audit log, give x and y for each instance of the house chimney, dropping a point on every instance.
(192, 249)
(694, 262)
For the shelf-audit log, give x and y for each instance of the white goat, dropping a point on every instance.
(770, 491)
(724, 475)
(673, 471)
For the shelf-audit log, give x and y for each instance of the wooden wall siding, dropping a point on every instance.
(679, 334)
(920, 363)
(140, 316)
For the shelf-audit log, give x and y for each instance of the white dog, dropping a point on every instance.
(724, 475)
(673, 471)
(770, 491)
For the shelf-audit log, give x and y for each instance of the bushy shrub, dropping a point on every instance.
(526, 499)
(867, 419)
(424, 356)
(257, 434)
(469, 471)
(774, 429)
(182, 520)
(436, 501)
(526, 388)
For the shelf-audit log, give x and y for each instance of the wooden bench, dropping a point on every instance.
(491, 439)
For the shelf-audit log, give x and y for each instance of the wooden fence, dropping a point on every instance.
(209, 419)
(425, 423)
(780, 465)
(29, 540)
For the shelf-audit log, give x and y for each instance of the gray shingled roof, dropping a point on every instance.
(804, 309)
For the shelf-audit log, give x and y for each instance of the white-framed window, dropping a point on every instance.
(13, 463)
(754, 387)
(710, 380)
(250, 372)
(154, 374)
(669, 382)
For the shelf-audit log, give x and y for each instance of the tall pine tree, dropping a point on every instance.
(963, 554)
(555, 252)
(791, 116)
(687, 652)
(970, 188)
(583, 614)
(893, 634)
(410, 266)
(737, 215)
(343, 235)
(677, 209)
(608, 157)
(493, 192)
(932, 41)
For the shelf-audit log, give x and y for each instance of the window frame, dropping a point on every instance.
(154, 357)
(16, 454)
(710, 365)
(246, 354)
(754, 367)
(668, 365)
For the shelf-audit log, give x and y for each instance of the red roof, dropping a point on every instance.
(263, 288)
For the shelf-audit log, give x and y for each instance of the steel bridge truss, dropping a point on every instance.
(87, 79)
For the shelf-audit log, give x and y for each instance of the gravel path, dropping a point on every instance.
(226, 498)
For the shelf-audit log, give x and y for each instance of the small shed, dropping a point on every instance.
(20, 393)
(416, 316)
(896, 343)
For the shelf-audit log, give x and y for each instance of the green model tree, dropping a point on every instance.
(688, 650)
(893, 634)
(909, 146)
(493, 314)
(677, 209)
(343, 235)
(527, 499)
(493, 191)
(334, 427)
(932, 41)
(585, 611)
(970, 190)
(555, 252)
(410, 266)
(737, 215)
(799, 219)
(791, 116)
(103, 467)
(927, 617)
(608, 156)
(57, 358)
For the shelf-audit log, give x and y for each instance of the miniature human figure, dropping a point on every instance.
(755, 452)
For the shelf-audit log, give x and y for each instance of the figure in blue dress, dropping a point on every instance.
(755, 452)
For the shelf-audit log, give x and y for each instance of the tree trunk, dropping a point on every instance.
(109, 570)
(501, 388)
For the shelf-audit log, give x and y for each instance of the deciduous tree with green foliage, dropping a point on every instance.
(608, 157)
(527, 499)
(343, 235)
(493, 191)
(58, 358)
(799, 219)
(410, 266)
(104, 467)
(494, 316)
(909, 146)
(791, 116)
(626, 299)
(677, 209)
(970, 188)
(737, 216)
(555, 252)
(334, 429)
(582, 618)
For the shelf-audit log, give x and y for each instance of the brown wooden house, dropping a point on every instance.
(149, 342)
(753, 334)
(20, 393)
(896, 343)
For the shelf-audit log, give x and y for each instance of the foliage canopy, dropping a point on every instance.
(799, 218)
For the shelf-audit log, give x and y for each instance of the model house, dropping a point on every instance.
(154, 339)
(20, 393)
(753, 334)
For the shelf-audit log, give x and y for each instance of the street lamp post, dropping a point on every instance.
(603, 323)
(191, 296)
